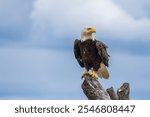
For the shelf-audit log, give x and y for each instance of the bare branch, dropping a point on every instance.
(94, 90)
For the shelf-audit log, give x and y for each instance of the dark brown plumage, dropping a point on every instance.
(91, 54)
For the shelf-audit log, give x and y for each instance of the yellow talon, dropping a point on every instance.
(93, 74)
(85, 73)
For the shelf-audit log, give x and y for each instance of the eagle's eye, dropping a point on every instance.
(89, 28)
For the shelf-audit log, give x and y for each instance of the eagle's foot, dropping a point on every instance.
(86, 73)
(93, 74)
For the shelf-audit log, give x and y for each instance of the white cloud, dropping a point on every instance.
(62, 18)
(138, 8)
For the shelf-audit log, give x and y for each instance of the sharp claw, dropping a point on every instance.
(93, 74)
(85, 73)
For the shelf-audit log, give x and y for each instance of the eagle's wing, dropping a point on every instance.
(77, 44)
(102, 50)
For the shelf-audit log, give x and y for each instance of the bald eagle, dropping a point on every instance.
(91, 54)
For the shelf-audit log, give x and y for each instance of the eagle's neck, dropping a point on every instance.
(87, 37)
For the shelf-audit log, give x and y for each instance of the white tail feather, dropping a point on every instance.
(102, 71)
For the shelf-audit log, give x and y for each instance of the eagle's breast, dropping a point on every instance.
(89, 53)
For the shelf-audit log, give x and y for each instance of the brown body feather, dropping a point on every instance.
(92, 54)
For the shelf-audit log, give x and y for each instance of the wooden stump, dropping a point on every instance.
(94, 90)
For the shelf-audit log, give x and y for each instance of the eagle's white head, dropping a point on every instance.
(87, 33)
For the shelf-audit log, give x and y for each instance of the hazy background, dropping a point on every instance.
(36, 46)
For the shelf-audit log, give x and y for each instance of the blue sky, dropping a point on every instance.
(36, 46)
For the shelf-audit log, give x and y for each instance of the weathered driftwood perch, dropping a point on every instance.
(94, 90)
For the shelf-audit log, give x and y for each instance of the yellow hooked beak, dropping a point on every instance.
(92, 30)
